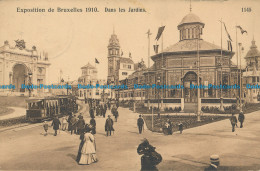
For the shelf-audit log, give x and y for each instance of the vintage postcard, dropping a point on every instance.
(130, 85)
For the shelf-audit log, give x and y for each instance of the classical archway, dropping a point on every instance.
(190, 95)
(20, 76)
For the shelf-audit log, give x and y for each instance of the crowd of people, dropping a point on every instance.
(77, 125)
(87, 148)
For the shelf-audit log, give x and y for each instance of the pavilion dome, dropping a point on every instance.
(190, 27)
(190, 18)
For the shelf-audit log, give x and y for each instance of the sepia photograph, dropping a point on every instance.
(130, 85)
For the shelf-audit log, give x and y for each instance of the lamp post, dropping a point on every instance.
(221, 73)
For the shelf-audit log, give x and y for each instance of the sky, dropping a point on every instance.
(72, 39)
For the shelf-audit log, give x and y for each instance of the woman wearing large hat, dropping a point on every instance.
(88, 151)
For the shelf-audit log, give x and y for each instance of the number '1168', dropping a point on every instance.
(246, 9)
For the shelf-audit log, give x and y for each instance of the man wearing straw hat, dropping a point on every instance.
(214, 163)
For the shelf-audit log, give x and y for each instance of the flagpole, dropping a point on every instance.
(163, 63)
(221, 73)
(149, 48)
(198, 76)
(240, 93)
(148, 91)
(237, 57)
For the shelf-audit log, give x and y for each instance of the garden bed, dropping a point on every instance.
(187, 121)
(13, 121)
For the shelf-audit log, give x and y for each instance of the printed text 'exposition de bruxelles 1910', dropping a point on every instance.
(135, 86)
(79, 10)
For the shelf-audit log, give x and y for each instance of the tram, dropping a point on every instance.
(39, 109)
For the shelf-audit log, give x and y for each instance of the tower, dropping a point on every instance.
(252, 57)
(113, 58)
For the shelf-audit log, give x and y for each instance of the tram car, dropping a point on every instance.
(39, 109)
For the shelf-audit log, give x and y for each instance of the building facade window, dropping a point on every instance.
(253, 79)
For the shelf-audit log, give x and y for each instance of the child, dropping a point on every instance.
(45, 126)
(180, 127)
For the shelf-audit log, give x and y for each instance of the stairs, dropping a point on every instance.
(190, 107)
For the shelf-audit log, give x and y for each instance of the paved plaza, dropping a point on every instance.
(27, 148)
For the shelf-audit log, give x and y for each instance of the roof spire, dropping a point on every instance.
(190, 6)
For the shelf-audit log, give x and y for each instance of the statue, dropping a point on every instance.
(20, 44)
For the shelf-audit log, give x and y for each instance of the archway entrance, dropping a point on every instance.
(190, 95)
(20, 75)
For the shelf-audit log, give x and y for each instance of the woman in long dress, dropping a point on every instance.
(88, 151)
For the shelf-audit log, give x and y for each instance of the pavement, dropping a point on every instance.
(18, 112)
(28, 149)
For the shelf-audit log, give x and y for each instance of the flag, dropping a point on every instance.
(229, 37)
(242, 30)
(160, 30)
(96, 61)
(130, 55)
(229, 45)
(122, 53)
(155, 47)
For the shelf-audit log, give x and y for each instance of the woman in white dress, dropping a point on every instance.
(88, 151)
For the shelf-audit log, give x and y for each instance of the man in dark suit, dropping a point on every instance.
(93, 125)
(73, 122)
(241, 118)
(56, 124)
(91, 112)
(109, 125)
(233, 121)
(116, 115)
(140, 124)
(81, 125)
